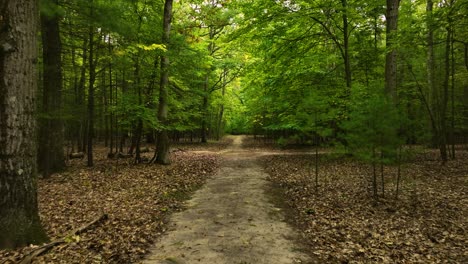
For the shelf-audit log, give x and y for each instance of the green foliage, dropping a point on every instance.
(129, 112)
(373, 126)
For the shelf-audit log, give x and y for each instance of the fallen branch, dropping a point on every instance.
(42, 249)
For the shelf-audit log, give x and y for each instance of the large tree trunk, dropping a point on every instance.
(51, 156)
(162, 144)
(19, 220)
(391, 56)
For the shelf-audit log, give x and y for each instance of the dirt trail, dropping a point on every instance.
(230, 220)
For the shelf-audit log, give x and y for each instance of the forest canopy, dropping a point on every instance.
(284, 69)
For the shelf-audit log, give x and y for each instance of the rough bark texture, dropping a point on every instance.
(19, 220)
(51, 156)
(162, 147)
(391, 56)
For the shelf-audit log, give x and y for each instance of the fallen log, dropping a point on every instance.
(27, 259)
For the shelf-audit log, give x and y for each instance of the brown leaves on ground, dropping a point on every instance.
(343, 223)
(136, 198)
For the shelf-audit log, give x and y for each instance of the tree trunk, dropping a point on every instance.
(220, 131)
(19, 219)
(51, 156)
(452, 86)
(80, 100)
(444, 103)
(433, 94)
(204, 137)
(466, 55)
(111, 102)
(162, 144)
(347, 64)
(391, 56)
(92, 78)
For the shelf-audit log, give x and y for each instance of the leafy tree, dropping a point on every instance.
(372, 131)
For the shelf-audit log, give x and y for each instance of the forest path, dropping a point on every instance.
(231, 219)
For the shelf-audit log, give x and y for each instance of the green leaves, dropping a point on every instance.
(373, 125)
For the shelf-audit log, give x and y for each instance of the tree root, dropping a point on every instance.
(27, 259)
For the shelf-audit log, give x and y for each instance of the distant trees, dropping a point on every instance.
(106, 76)
(19, 219)
(300, 50)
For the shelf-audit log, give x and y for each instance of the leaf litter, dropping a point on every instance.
(136, 198)
(343, 223)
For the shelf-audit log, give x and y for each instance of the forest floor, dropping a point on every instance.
(137, 199)
(342, 222)
(245, 196)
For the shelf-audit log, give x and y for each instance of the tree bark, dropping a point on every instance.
(444, 103)
(347, 63)
(50, 155)
(204, 128)
(19, 219)
(92, 79)
(433, 98)
(162, 144)
(391, 56)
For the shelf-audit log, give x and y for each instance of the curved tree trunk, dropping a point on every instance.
(19, 220)
(162, 144)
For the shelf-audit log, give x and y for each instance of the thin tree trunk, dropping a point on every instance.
(220, 131)
(466, 55)
(374, 174)
(316, 163)
(162, 147)
(452, 125)
(111, 102)
(444, 103)
(92, 78)
(139, 126)
(382, 177)
(398, 174)
(391, 56)
(347, 63)
(19, 220)
(204, 111)
(81, 135)
(433, 93)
